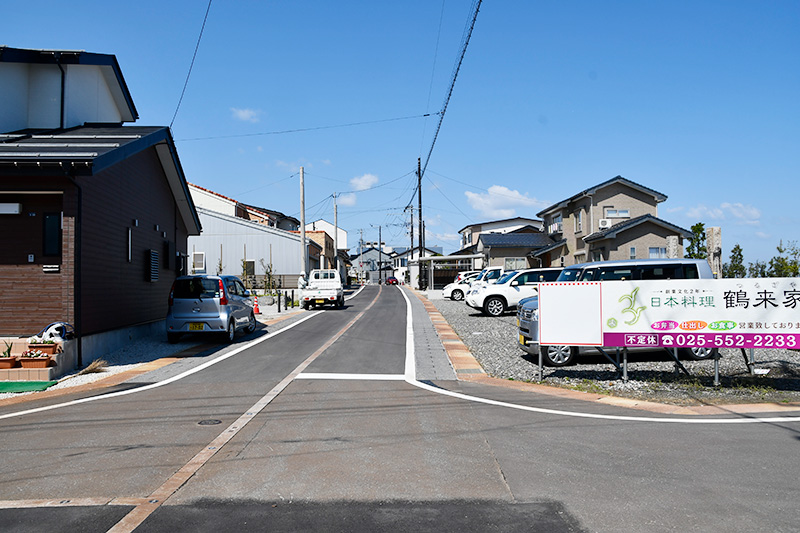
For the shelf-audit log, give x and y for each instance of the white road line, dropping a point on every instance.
(354, 377)
(412, 380)
(166, 381)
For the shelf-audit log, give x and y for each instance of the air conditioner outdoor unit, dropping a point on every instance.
(605, 223)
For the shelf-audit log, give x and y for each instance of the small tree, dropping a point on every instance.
(787, 263)
(735, 269)
(267, 276)
(757, 269)
(219, 267)
(697, 243)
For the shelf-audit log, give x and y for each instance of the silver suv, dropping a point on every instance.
(209, 304)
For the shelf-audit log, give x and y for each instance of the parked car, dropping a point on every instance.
(209, 305)
(495, 299)
(457, 289)
(633, 269)
(391, 280)
(466, 274)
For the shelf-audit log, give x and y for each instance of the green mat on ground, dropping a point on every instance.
(25, 386)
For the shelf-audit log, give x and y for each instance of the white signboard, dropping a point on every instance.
(740, 313)
(569, 304)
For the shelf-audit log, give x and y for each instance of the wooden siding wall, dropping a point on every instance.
(115, 292)
(31, 298)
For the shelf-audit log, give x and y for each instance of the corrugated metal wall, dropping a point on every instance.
(233, 236)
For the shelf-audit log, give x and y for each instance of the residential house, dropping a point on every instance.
(94, 215)
(338, 238)
(616, 219)
(471, 233)
(371, 265)
(512, 251)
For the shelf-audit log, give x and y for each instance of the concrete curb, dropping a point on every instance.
(469, 369)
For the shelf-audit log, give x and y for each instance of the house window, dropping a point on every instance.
(597, 256)
(579, 221)
(617, 213)
(198, 262)
(52, 234)
(515, 263)
(249, 268)
(658, 253)
(562, 261)
(633, 252)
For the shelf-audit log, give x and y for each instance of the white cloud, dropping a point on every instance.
(739, 213)
(364, 182)
(293, 166)
(448, 237)
(762, 235)
(348, 199)
(245, 115)
(502, 202)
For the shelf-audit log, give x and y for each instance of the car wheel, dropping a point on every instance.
(305, 306)
(340, 303)
(231, 333)
(698, 354)
(494, 306)
(457, 295)
(557, 355)
(172, 338)
(251, 324)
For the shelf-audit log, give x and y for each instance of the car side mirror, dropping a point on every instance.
(514, 283)
(247, 294)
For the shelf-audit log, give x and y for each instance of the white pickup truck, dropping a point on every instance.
(323, 287)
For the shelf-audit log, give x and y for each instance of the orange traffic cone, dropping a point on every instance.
(256, 310)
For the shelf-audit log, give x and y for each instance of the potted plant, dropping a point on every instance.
(49, 347)
(6, 359)
(34, 358)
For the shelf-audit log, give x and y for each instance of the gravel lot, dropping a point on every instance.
(651, 376)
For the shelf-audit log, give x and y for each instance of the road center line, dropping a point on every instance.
(140, 513)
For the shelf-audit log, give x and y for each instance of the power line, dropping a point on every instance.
(191, 65)
(453, 82)
(299, 130)
(448, 199)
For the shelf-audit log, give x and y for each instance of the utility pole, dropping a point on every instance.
(303, 221)
(361, 255)
(421, 238)
(335, 235)
(380, 257)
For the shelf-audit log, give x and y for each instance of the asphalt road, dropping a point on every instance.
(319, 427)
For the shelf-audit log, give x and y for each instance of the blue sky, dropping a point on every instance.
(696, 99)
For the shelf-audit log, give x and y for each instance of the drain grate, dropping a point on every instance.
(209, 422)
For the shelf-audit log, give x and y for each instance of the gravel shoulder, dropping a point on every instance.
(652, 376)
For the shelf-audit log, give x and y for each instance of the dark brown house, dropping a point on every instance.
(94, 215)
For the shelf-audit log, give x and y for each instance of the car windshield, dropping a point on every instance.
(481, 275)
(569, 274)
(505, 277)
(196, 288)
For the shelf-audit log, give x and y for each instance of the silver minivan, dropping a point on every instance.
(209, 305)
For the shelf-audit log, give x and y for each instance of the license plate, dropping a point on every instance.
(522, 340)
(196, 326)
(319, 301)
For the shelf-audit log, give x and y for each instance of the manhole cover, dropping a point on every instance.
(210, 422)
